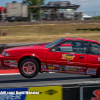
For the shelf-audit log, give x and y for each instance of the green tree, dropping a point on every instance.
(33, 3)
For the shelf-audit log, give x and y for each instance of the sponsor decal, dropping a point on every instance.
(68, 66)
(5, 61)
(73, 72)
(55, 65)
(50, 67)
(91, 92)
(43, 65)
(75, 67)
(62, 68)
(91, 71)
(38, 93)
(11, 63)
(51, 70)
(13, 94)
(7, 64)
(97, 94)
(45, 70)
(72, 69)
(81, 72)
(61, 71)
(68, 57)
(81, 68)
(50, 92)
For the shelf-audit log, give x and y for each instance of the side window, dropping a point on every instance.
(95, 49)
(73, 47)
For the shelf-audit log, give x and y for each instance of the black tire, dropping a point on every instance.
(98, 73)
(26, 61)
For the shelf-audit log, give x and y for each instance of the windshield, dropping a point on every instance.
(54, 43)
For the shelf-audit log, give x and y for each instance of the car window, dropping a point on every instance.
(95, 49)
(74, 47)
(54, 43)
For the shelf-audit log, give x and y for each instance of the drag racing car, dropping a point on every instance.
(66, 55)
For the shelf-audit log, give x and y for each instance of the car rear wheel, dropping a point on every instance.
(29, 68)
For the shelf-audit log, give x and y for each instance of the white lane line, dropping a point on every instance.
(51, 72)
(68, 83)
(11, 74)
(47, 72)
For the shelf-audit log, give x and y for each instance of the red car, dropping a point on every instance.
(66, 55)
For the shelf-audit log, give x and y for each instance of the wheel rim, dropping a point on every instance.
(29, 68)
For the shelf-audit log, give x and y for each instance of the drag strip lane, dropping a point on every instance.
(11, 78)
(15, 81)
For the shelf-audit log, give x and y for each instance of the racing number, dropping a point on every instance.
(97, 94)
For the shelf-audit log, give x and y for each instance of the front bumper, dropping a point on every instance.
(9, 61)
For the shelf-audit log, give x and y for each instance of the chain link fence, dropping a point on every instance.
(94, 14)
(59, 16)
(14, 18)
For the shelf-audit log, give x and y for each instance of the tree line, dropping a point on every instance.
(33, 3)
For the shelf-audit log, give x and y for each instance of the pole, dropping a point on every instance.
(0, 32)
(22, 1)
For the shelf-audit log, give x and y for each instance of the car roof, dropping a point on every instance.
(74, 38)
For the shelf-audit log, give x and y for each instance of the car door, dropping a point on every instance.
(93, 59)
(72, 58)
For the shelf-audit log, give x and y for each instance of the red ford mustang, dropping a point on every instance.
(66, 55)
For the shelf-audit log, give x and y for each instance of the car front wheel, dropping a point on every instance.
(29, 68)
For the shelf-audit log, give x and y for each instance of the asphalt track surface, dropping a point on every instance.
(11, 78)
(45, 79)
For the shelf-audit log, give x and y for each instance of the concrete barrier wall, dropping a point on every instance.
(63, 92)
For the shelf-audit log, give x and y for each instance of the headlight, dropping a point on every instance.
(3, 53)
(7, 55)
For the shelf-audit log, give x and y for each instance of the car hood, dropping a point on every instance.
(27, 48)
